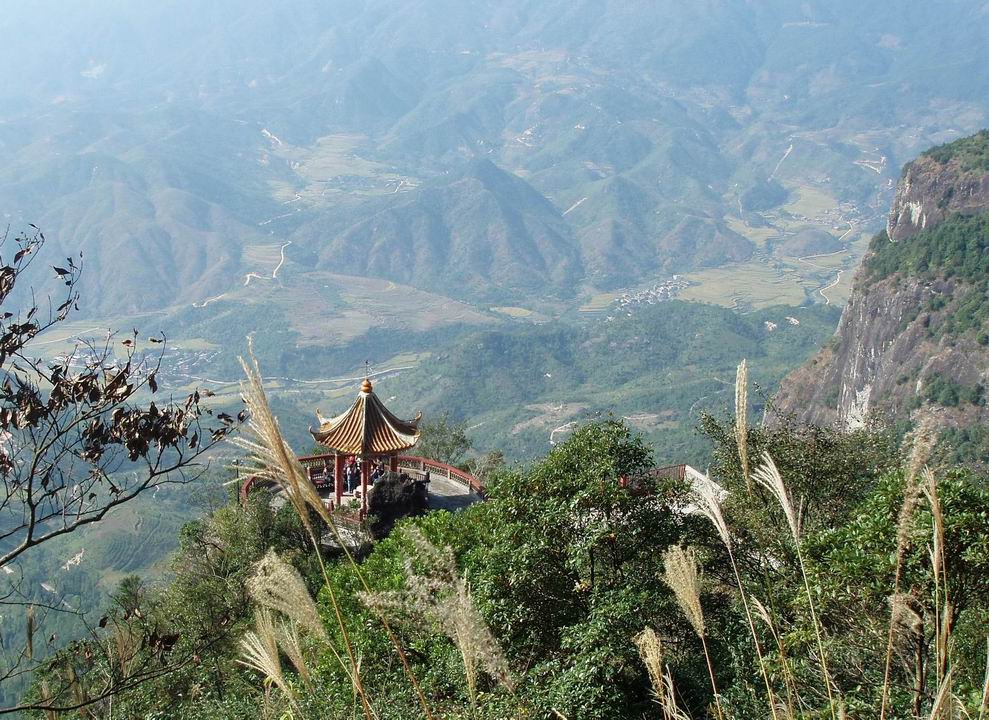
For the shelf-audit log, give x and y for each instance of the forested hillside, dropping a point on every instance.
(569, 593)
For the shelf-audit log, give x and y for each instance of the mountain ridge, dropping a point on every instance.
(649, 115)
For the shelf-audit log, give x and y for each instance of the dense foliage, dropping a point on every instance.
(971, 153)
(177, 642)
(566, 564)
(955, 248)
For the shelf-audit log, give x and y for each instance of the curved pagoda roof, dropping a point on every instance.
(367, 428)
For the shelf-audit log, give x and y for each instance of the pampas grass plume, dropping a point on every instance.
(260, 652)
(276, 585)
(684, 579)
(742, 419)
(768, 475)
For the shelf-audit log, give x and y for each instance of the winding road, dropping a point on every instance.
(806, 260)
(297, 380)
(785, 156)
(827, 300)
(281, 261)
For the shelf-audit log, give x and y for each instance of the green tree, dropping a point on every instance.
(444, 440)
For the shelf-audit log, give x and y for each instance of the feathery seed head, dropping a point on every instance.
(439, 595)
(651, 651)
(768, 475)
(929, 483)
(742, 418)
(276, 585)
(763, 614)
(924, 437)
(709, 504)
(287, 634)
(684, 578)
(259, 650)
(270, 457)
(907, 624)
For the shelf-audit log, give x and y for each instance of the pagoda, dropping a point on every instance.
(367, 431)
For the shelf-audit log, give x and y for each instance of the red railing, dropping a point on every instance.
(671, 472)
(418, 466)
(318, 465)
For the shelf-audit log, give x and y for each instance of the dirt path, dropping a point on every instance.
(574, 206)
(77, 336)
(274, 273)
(806, 260)
(827, 300)
(319, 381)
(206, 302)
(785, 156)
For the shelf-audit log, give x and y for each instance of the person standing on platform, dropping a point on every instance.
(351, 474)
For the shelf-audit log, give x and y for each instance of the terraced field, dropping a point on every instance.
(331, 169)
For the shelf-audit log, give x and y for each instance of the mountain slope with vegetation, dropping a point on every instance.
(569, 593)
(483, 230)
(521, 388)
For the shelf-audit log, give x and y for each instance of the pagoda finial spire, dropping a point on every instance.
(366, 385)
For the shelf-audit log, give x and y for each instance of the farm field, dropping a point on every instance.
(750, 285)
(329, 170)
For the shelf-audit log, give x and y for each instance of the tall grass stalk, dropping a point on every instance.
(29, 633)
(651, 651)
(943, 700)
(742, 420)
(924, 439)
(907, 620)
(942, 598)
(287, 634)
(277, 585)
(710, 506)
(260, 652)
(274, 461)
(684, 578)
(768, 476)
(441, 596)
(793, 697)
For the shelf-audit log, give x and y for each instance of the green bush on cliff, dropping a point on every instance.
(564, 567)
(971, 153)
(955, 248)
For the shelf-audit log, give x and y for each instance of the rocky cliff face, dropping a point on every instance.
(900, 343)
(932, 189)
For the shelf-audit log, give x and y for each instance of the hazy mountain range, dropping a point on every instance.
(479, 150)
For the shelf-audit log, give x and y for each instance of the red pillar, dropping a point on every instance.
(338, 478)
(393, 464)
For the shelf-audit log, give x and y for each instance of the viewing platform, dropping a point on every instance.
(365, 445)
(449, 488)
